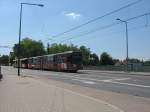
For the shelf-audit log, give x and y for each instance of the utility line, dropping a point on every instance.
(131, 29)
(107, 26)
(5, 47)
(92, 31)
(95, 19)
(145, 14)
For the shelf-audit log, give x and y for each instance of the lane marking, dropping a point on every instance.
(89, 82)
(144, 86)
(113, 81)
(85, 81)
(61, 75)
(109, 80)
(122, 79)
(76, 75)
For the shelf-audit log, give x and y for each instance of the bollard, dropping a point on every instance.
(1, 76)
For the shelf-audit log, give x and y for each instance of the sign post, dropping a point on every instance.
(1, 76)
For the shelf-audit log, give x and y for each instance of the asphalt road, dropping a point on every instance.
(133, 84)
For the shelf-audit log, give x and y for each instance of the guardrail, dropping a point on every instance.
(118, 68)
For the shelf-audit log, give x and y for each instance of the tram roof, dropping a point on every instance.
(67, 52)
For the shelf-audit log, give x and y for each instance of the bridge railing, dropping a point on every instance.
(119, 68)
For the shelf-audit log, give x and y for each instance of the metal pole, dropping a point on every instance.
(1, 76)
(19, 46)
(0, 69)
(127, 43)
(127, 58)
(48, 48)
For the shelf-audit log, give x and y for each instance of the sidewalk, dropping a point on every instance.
(26, 94)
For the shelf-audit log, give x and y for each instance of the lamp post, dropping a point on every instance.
(48, 44)
(126, 24)
(40, 5)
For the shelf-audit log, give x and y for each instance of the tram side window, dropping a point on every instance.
(63, 59)
(50, 58)
(35, 61)
(57, 59)
(69, 58)
(76, 58)
(45, 60)
(30, 61)
(60, 59)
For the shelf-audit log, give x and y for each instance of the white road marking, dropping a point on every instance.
(73, 76)
(129, 84)
(121, 79)
(76, 75)
(85, 81)
(109, 80)
(89, 82)
(112, 81)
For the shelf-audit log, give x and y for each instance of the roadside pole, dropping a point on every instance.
(1, 76)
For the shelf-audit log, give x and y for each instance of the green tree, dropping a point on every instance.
(57, 48)
(147, 63)
(4, 60)
(134, 60)
(29, 48)
(11, 57)
(106, 59)
(94, 60)
(86, 55)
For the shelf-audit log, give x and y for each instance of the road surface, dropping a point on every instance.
(131, 84)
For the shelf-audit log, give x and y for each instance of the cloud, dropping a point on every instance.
(73, 15)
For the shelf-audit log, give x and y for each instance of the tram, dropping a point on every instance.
(67, 61)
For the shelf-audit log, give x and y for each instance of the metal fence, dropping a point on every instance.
(119, 68)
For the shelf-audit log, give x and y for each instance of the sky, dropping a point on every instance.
(42, 23)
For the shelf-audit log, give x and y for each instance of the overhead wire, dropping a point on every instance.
(106, 26)
(92, 31)
(131, 29)
(148, 13)
(5, 47)
(95, 19)
(147, 22)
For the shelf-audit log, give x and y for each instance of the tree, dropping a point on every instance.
(86, 55)
(116, 61)
(57, 48)
(106, 59)
(147, 63)
(134, 60)
(29, 48)
(4, 60)
(94, 60)
(11, 57)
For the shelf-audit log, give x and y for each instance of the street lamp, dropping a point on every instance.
(48, 45)
(126, 23)
(40, 5)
